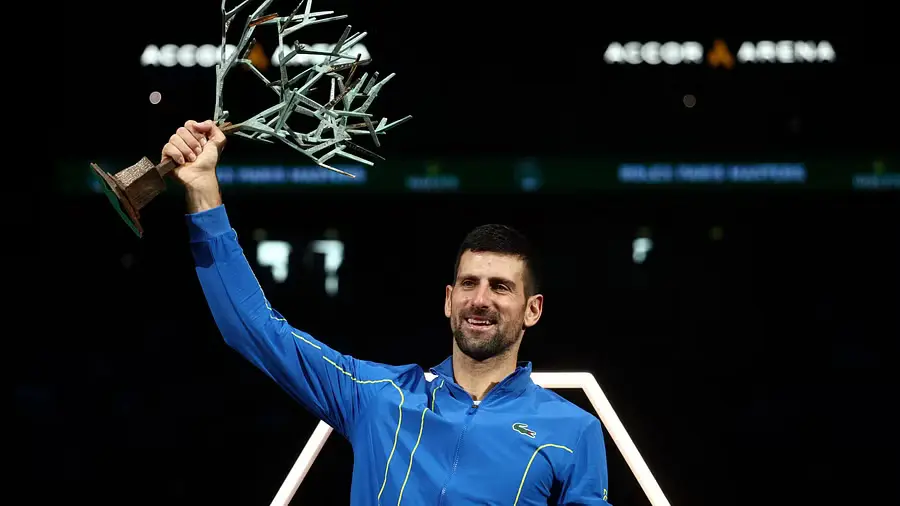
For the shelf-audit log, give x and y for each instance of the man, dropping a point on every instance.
(480, 432)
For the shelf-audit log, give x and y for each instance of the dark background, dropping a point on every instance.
(748, 355)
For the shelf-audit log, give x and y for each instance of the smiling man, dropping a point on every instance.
(479, 432)
(493, 299)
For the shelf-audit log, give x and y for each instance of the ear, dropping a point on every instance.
(447, 293)
(534, 307)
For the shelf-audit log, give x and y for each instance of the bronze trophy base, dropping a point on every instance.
(130, 189)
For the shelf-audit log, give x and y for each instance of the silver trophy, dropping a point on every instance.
(344, 115)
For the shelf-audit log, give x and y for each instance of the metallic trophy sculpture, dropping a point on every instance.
(131, 189)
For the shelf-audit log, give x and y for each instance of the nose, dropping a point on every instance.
(481, 297)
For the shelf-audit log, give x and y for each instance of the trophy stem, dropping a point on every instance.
(166, 167)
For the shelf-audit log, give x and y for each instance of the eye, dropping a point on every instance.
(501, 288)
(467, 283)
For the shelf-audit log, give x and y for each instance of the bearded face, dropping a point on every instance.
(482, 332)
(487, 305)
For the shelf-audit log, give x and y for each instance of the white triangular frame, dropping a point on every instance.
(582, 380)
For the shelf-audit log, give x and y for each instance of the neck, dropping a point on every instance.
(478, 378)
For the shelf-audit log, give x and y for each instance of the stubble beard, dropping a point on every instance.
(481, 349)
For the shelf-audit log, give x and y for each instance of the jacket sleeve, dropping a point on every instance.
(332, 386)
(586, 482)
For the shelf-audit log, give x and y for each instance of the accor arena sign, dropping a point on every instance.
(719, 53)
(206, 55)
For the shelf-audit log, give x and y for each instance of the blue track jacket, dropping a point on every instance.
(415, 441)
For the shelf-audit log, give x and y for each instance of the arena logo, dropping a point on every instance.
(654, 53)
(786, 51)
(206, 55)
(692, 52)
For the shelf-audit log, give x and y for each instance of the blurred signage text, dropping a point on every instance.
(712, 173)
(206, 55)
(530, 175)
(277, 175)
(280, 175)
(433, 180)
(719, 54)
(878, 179)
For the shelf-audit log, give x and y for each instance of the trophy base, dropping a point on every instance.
(131, 189)
(117, 196)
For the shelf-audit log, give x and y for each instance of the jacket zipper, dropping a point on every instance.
(469, 415)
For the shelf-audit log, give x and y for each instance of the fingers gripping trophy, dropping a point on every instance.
(336, 117)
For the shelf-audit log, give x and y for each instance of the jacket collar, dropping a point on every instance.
(513, 385)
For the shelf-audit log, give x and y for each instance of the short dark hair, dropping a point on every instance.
(493, 238)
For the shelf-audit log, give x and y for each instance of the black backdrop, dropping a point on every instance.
(749, 367)
(744, 367)
(508, 78)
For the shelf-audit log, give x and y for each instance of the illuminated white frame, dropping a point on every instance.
(582, 380)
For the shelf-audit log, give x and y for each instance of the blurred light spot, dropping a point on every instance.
(275, 255)
(260, 234)
(716, 233)
(689, 101)
(639, 249)
(155, 97)
(333, 250)
(642, 245)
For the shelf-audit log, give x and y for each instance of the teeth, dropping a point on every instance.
(477, 322)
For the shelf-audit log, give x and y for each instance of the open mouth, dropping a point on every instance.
(477, 322)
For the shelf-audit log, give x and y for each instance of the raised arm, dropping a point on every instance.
(333, 386)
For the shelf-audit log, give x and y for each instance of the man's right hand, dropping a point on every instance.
(195, 147)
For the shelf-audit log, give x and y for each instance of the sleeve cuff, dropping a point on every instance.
(205, 225)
